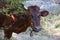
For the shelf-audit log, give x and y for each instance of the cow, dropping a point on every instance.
(20, 23)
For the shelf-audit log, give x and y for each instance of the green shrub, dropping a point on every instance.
(13, 4)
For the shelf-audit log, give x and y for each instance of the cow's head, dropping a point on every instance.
(35, 14)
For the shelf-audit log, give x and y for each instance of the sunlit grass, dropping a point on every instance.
(51, 23)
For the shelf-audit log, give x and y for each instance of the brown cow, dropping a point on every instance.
(21, 22)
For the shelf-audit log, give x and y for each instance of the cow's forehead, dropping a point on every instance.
(26, 6)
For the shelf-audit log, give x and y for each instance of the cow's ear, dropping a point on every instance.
(44, 13)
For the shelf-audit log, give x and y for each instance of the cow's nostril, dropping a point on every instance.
(37, 28)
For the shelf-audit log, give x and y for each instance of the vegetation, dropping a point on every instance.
(52, 20)
(8, 5)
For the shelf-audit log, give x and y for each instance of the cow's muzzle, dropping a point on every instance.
(37, 28)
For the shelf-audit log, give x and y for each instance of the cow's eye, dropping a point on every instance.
(39, 16)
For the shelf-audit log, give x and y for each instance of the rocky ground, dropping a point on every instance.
(43, 35)
(53, 34)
